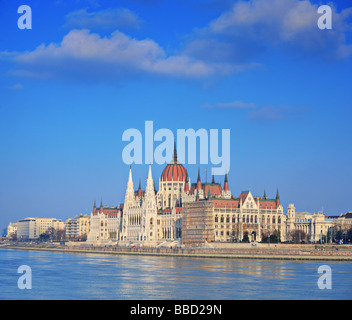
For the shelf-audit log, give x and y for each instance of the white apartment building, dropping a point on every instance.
(77, 227)
(32, 228)
(11, 229)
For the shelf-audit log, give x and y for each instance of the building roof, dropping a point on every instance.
(348, 215)
(243, 196)
(215, 188)
(225, 203)
(174, 171)
(267, 204)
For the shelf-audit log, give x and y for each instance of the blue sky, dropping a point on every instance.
(89, 70)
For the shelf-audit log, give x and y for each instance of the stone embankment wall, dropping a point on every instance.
(287, 252)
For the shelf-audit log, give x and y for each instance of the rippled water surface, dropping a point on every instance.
(87, 276)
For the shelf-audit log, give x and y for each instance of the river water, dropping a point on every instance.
(58, 276)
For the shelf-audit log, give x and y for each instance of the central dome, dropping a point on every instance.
(174, 171)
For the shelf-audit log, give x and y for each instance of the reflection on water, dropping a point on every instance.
(80, 276)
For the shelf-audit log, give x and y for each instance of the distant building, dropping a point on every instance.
(313, 226)
(105, 224)
(12, 230)
(77, 228)
(344, 221)
(33, 228)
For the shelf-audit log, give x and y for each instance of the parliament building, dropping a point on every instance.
(182, 212)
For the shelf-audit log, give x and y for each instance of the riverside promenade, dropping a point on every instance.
(309, 252)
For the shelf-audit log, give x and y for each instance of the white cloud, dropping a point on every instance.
(275, 113)
(229, 44)
(252, 27)
(16, 86)
(231, 105)
(87, 55)
(103, 19)
(255, 112)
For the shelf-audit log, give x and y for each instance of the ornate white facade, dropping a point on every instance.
(151, 218)
(140, 214)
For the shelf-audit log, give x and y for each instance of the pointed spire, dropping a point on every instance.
(199, 183)
(94, 207)
(186, 189)
(149, 202)
(213, 179)
(226, 184)
(175, 153)
(130, 193)
(277, 194)
(139, 192)
(130, 181)
(150, 172)
(264, 196)
(150, 183)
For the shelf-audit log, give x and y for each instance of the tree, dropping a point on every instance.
(83, 237)
(13, 236)
(298, 236)
(265, 237)
(349, 235)
(245, 238)
(44, 236)
(275, 237)
(338, 235)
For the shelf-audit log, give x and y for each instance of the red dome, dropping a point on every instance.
(174, 171)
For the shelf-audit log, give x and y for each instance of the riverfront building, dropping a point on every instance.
(32, 228)
(313, 227)
(189, 213)
(12, 230)
(77, 228)
(153, 217)
(344, 221)
(105, 224)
